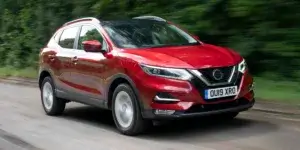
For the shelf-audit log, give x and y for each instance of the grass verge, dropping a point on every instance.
(278, 91)
(23, 73)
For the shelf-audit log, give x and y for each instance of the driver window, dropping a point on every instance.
(166, 35)
(90, 33)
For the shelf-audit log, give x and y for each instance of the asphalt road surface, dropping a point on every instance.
(24, 126)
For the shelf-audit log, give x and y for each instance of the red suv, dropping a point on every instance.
(142, 69)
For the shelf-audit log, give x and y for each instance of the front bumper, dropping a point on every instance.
(188, 96)
(204, 110)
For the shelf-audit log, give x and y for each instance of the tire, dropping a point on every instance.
(130, 109)
(52, 105)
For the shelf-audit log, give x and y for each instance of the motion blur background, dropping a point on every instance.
(265, 32)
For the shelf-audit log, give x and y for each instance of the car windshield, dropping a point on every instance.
(146, 33)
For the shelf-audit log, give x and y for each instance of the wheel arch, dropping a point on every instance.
(117, 80)
(43, 74)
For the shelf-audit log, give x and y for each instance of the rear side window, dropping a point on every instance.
(68, 36)
(56, 36)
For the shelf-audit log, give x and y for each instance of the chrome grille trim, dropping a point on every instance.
(206, 81)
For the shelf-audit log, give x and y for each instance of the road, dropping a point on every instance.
(24, 126)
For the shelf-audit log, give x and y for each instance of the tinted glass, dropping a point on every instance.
(68, 36)
(90, 33)
(146, 33)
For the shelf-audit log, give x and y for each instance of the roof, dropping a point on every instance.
(93, 19)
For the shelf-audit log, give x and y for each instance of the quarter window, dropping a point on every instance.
(67, 38)
(56, 36)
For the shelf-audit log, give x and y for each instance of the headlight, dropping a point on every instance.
(242, 66)
(180, 74)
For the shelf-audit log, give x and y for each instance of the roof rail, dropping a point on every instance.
(82, 19)
(151, 18)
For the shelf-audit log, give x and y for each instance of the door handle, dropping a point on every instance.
(51, 57)
(74, 59)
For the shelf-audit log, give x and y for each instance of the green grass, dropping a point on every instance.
(265, 89)
(278, 91)
(24, 73)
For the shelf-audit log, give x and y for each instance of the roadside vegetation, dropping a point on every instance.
(266, 33)
(22, 73)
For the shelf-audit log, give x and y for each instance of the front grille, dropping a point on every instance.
(208, 73)
(201, 86)
(219, 106)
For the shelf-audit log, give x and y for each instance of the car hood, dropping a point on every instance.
(190, 57)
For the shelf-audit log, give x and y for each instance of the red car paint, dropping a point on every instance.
(79, 74)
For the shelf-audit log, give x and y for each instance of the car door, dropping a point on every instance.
(65, 55)
(90, 68)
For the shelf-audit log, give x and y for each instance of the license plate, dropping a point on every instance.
(220, 92)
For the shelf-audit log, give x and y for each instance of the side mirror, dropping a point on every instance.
(196, 37)
(92, 46)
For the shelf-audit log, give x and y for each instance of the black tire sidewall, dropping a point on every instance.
(57, 105)
(136, 111)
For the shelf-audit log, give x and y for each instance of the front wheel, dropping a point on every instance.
(126, 111)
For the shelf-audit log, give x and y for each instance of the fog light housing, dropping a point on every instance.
(164, 112)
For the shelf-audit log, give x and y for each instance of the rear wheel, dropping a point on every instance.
(126, 111)
(51, 104)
